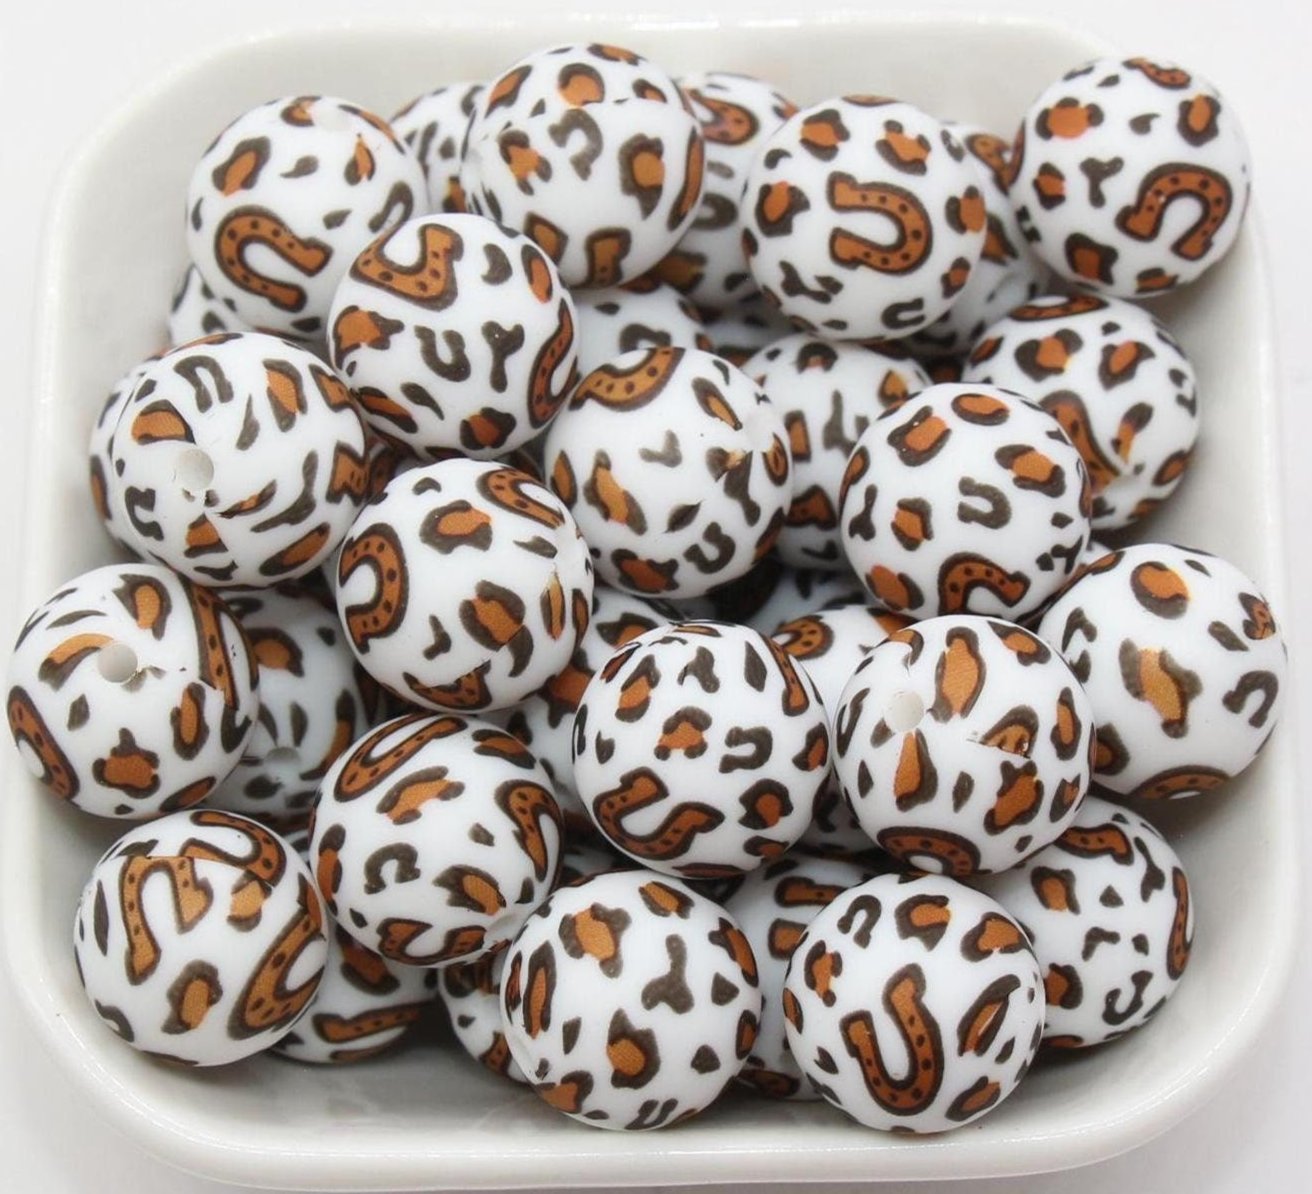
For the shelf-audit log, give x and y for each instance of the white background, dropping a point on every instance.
(64, 66)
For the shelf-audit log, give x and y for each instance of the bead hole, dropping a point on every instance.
(193, 470)
(117, 662)
(903, 712)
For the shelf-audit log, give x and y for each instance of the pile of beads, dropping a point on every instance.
(634, 536)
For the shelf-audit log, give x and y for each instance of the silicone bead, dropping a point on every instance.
(925, 970)
(1118, 383)
(1183, 662)
(237, 460)
(676, 467)
(1130, 177)
(699, 749)
(464, 586)
(200, 938)
(434, 837)
(963, 744)
(591, 151)
(131, 693)
(454, 335)
(1108, 911)
(630, 1001)
(862, 218)
(285, 197)
(433, 127)
(966, 499)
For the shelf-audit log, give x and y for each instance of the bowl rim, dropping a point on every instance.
(592, 1158)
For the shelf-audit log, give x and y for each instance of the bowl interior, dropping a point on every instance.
(428, 1117)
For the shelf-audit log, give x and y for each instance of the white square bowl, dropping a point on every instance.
(427, 1118)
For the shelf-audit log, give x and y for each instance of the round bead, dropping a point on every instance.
(1183, 663)
(630, 1000)
(738, 332)
(364, 1003)
(913, 1003)
(943, 768)
(676, 467)
(1130, 177)
(852, 244)
(433, 127)
(1108, 911)
(773, 906)
(107, 499)
(966, 499)
(699, 749)
(315, 700)
(620, 319)
(591, 151)
(465, 586)
(434, 837)
(238, 460)
(196, 311)
(131, 692)
(828, 394)
(200, 938)
(454, 335)
(455, 841)
(545, 721)
(471, 994)
(1118, 383)
(1008, 273)
(283, 200)
(737, 113)
(828, 645)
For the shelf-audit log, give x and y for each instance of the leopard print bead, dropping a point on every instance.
(1008, 273)
(1130, 177)
(773, 906)
(966, 499)
(828, 394)
(829, 644)
(676, 467)
(699, 749)
(238, 460)
(591, 151)
(963, 744)
(1108, 910)
(285, 197)
(107, 499)
(737, 113)
(853, 244)
(454, 335)
(364, 1004)
(200, 938)
(913, 1003)
(471, 994)
(1183, 662)
(131, 692)
(465, 586)
(315, 700)
(620, 319)
(434, 127)
(196, 311)
(739, 332)
(1116, 380)
(434, 837)
(630, 1001)
(545, 721)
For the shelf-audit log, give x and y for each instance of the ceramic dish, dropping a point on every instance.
(425, 1119)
